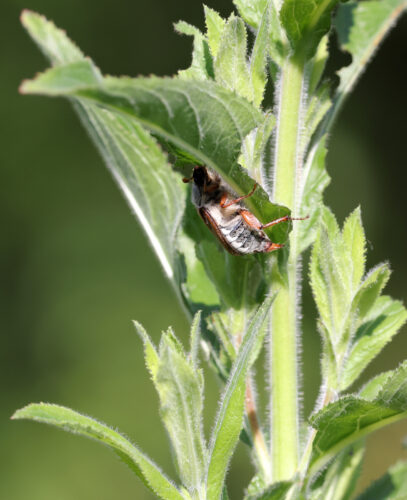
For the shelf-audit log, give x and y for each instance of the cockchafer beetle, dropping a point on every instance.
(238, 230)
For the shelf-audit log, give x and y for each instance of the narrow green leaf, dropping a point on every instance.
(306, 22)
(258, 60)
(355, 245)
(276, 491)
(231, 68)
(317, 64)
(253, 147)
(214, 28)
(251, 11)
(202, 64)
(372, 388)
(361, 27)
(339, 480)
(229, 420)
(329, 278)
(76, 423)
(391, 486)
(350, 418)
(52, 41)
(370, 289)
(195, 338)
(315, 180)
(180, 387)
(150, 354)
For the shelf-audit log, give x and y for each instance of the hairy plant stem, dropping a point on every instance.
(290, 95)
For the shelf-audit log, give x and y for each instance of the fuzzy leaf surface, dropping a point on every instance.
(137, 163)
(276, 491)
(229, 420)
(339, 480)
(231, 68)
(382, 323)
(180, 113)
(315, 180)
(251, 11)
(202, 65)
(306, 22)
(350, 418)
(180, 387)
(76, 423)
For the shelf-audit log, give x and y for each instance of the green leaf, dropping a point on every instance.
(253, 148)
(195, 338)
(137, 163)
(328, 277)
(317, 64)
(180, 387)
(306, 22)
(231, 68)
(350, 418)
(355, 245)
(76, 423)
(236, 279)
(214, 28)
(361, 27)
(251, 11)
(180, 112)
(315, 180)
(391, 486)
(339, 480)
(258, 60)
(354, 321)
(202, 64)
(276, 491)
(140, 168)
(151, 357)
(229, 420)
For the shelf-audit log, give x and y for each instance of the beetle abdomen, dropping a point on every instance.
(243, 239)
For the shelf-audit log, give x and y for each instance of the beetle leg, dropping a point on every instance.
(223, 203)
(274, 246)
(187, 179)
(282, 219)
(250, 219)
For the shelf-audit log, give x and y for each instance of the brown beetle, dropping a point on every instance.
(239, 231)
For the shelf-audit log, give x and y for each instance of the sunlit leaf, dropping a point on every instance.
(180, 387)
(214, 29)
(306, 22)
(231, 68)
(350, 418)
(229, 420)
(251, 11)
(76, 423)
(202, 65)
(315, 180)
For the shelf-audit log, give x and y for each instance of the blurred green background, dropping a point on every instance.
(76, 268)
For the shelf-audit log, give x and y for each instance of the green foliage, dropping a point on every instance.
(150, 132)
(76, 423)
(355, 321)
(306, 22)
(350, 418)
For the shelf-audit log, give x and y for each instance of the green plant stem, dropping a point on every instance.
(287, 177)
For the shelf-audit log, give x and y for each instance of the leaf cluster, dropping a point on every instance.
(150, 132)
